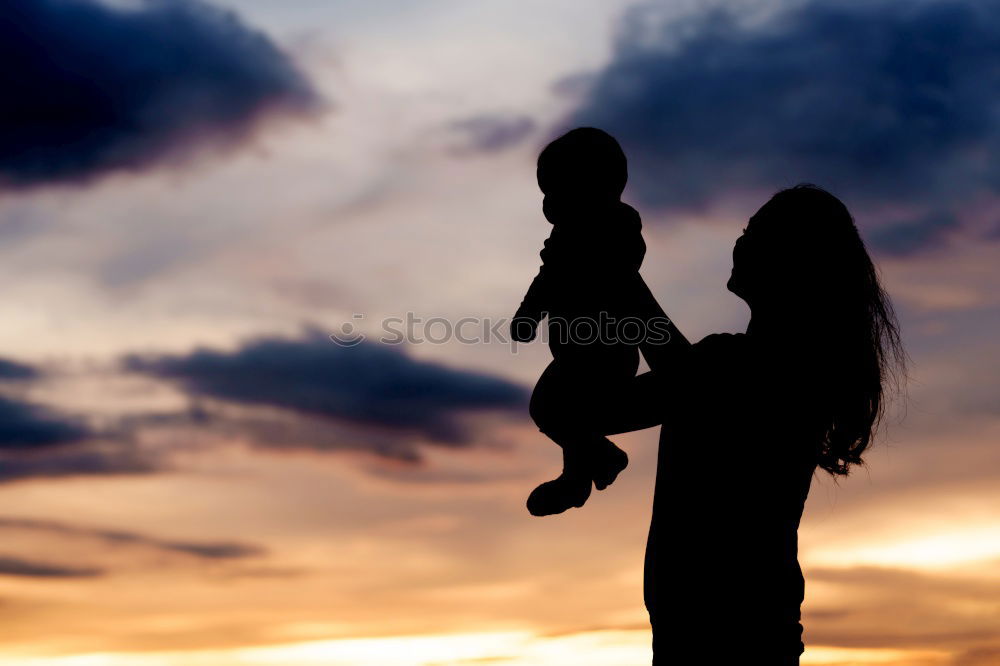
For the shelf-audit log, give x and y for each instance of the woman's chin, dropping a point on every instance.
(733, 285)
(737, 288)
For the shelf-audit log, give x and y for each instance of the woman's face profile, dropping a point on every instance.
(743, 253)
(766, 260)
(776, 260)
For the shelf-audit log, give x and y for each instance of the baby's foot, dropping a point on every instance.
(559, 494)
(607, 462)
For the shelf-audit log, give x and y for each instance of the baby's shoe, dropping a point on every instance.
(570, 489)
(607, 462)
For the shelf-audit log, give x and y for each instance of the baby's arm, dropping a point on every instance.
(530, 313)
(534, 307)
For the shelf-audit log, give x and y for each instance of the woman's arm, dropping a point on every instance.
(639, 405)
(647, 398)
(664, 344)
(651, 398)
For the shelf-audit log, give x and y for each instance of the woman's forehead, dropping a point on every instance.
(764, 212)
(756, 218)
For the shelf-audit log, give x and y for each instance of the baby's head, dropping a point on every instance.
(585, 165)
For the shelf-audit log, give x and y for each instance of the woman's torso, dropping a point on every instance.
(736, 459)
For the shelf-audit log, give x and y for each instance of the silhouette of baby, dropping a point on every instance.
(589, 287)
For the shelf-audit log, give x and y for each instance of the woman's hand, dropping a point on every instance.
(523, 328)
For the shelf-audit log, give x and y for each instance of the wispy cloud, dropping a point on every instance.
(882, 606)
(492, 132)
(15, 566)
(84, 458)
(209, 550)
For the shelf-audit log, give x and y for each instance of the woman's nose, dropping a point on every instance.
(738, 247)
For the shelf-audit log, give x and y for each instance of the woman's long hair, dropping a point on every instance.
(830, 285)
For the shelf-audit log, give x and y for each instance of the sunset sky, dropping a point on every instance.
(194, 196)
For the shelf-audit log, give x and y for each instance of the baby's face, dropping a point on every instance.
(585, 179)
(567, 207)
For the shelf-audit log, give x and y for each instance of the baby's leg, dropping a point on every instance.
(607, 370)
(548, 407)
(560, 406)
(566, 403)
(554, 408)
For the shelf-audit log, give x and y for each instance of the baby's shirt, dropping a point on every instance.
(589, 266)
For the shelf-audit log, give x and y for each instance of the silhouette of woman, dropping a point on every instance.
(747, 419)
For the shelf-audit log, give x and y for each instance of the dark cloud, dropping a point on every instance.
(888, 103)
(15, 370)
(38, 442)
(200, 549)
(372, 393)
(910, 237)
(493, 131)
(92, 88)
(27, 426)
(14, 566)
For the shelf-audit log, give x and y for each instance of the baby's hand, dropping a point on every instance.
(522, 328)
